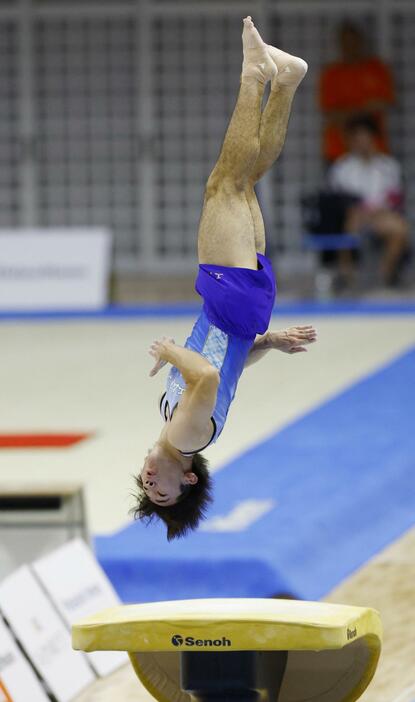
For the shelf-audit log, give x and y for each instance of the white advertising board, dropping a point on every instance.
(18, 682)
(78, 587)
(54, 269)
(43, 635)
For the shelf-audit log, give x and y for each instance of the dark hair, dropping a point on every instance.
(363, 121)
(190, 507)
(347, 25)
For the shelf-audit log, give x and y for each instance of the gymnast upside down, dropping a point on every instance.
(237, 284)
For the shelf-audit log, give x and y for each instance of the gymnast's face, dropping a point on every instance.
(164, 478)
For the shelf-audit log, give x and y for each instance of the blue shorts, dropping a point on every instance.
(238, 300)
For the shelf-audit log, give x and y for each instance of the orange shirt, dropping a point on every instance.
(352, 86)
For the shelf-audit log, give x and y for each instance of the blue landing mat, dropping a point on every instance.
(192, 309)
(343, 481)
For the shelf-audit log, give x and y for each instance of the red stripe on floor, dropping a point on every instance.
(40, 440)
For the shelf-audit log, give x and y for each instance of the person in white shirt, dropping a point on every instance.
(375, 178)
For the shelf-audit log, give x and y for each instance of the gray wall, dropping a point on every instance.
(112, 113)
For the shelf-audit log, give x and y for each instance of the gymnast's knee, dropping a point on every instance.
(224, 183)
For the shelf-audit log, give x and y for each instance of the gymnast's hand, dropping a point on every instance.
(293, 339)
(157, 350)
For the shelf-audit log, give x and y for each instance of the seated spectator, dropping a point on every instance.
(357, 82)
(375, 179)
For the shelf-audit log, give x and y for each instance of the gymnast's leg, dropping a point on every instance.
(273, 128)
(226, 232)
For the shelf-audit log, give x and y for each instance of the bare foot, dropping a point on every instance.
(257, 64)
(291, 69)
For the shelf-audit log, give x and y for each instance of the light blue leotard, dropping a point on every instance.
(225, 352)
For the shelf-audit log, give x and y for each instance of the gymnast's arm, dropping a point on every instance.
(291, 340)
(190, 426)
(193, 366)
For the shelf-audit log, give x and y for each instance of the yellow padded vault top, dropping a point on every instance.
(228, 624)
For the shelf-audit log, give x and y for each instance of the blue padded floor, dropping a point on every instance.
(343, 481)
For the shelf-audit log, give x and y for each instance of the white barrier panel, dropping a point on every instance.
(54, 269)
(18, 682)
(43, 635)
(78, 588)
